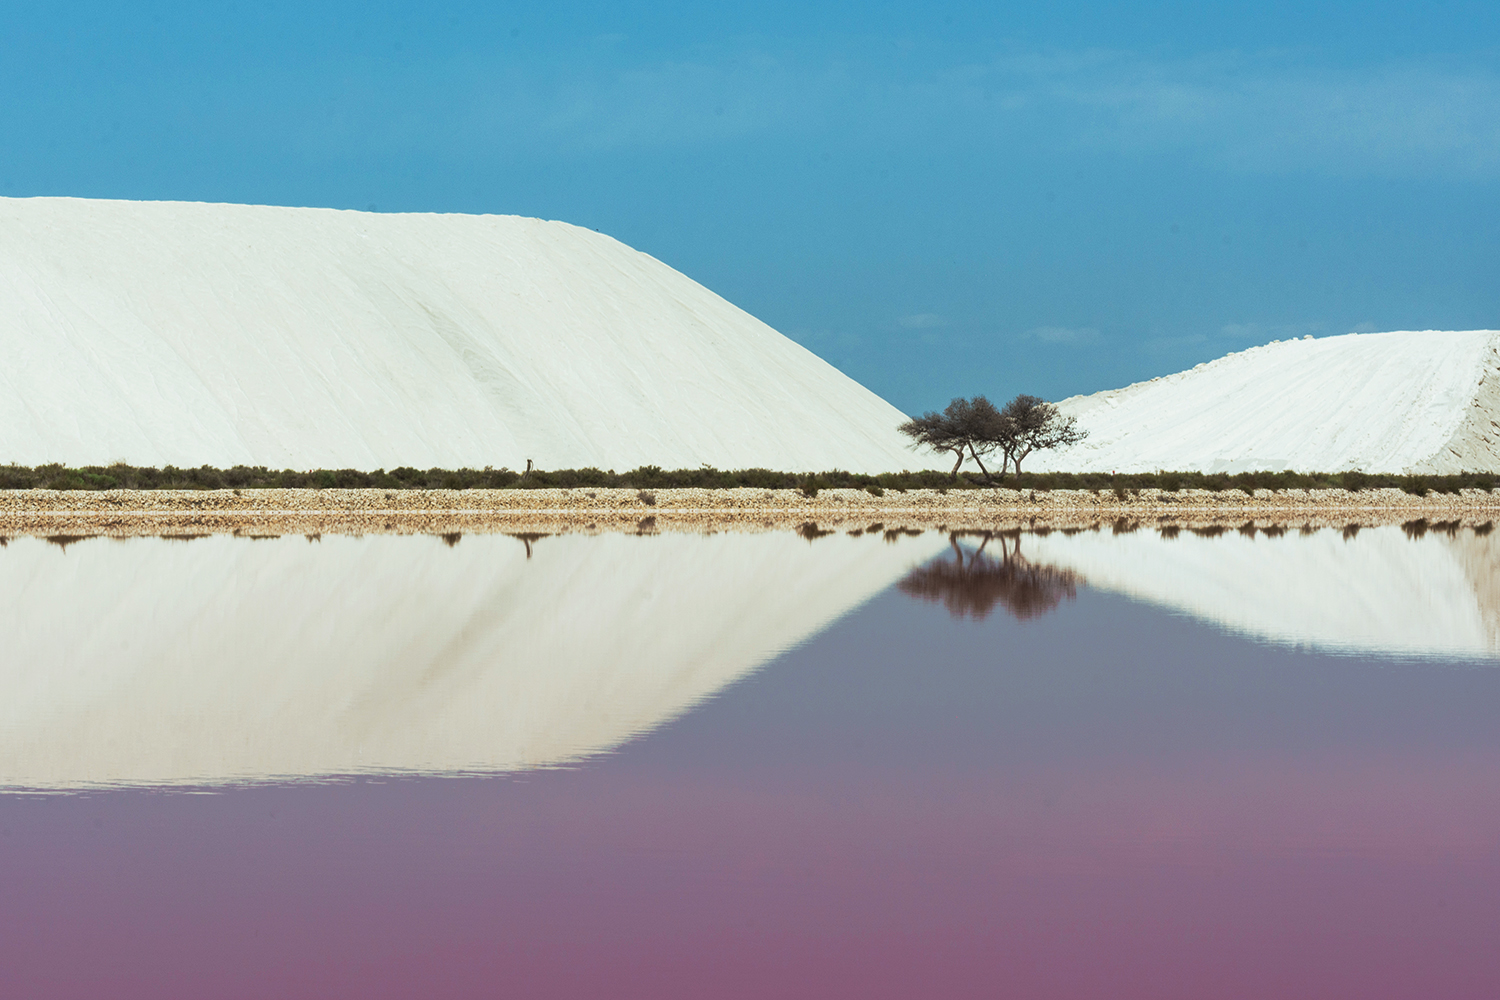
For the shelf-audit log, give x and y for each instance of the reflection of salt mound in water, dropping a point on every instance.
(1382, 590)
(1479, 555)
(224, 659)
(969, 583)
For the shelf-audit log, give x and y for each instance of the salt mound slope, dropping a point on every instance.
(161, 332)
(1426, 402)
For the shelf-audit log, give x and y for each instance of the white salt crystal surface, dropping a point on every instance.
(184, 333)
(1406, 402)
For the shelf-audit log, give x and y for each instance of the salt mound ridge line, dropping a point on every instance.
(179, 333)
(1407, 402)
(1377, 592)
(225, 659)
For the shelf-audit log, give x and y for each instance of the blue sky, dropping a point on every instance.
(940, 199)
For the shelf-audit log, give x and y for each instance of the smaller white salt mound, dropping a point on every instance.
(1408, 402)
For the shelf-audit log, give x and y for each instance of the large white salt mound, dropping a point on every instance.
(1411, 402)
(162, 332)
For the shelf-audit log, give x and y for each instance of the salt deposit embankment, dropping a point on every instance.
(65, 513)
(190, 334)
(1426, 402)
(227, 659)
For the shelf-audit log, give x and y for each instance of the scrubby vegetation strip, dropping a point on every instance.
(649, 477)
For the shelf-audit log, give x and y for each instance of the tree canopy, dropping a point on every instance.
(974, 426)
(1033, 424)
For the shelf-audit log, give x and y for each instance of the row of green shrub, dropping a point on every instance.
(58, 477)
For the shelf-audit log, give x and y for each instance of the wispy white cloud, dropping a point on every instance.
(1262, 332)
(1243, 112)
(1258, 115)
(1064, 334)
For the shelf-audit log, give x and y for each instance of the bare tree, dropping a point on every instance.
(1029, 423)
(974, 428)
(936, 431)
(973, 425)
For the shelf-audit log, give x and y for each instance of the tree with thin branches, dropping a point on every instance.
(972, 426)
(1030, 423)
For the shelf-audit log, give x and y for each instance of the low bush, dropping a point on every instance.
(652, 477)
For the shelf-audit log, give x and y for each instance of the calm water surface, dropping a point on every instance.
(889, 765)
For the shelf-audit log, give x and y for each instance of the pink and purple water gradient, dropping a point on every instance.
(1106, 802)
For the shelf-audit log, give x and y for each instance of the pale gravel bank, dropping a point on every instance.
(373, 511)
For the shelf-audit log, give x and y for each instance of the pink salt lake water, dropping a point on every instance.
(1066, 789)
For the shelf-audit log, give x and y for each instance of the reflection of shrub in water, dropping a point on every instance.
(1420, 527)
(970, 585)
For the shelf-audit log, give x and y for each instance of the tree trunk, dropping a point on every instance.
(1020, 455)
(1004, 461)
(979, 463)
(960, 461)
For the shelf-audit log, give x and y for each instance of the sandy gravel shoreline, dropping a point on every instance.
(275, 512)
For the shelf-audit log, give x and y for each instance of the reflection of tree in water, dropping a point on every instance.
(970, 584)
(526, 538)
